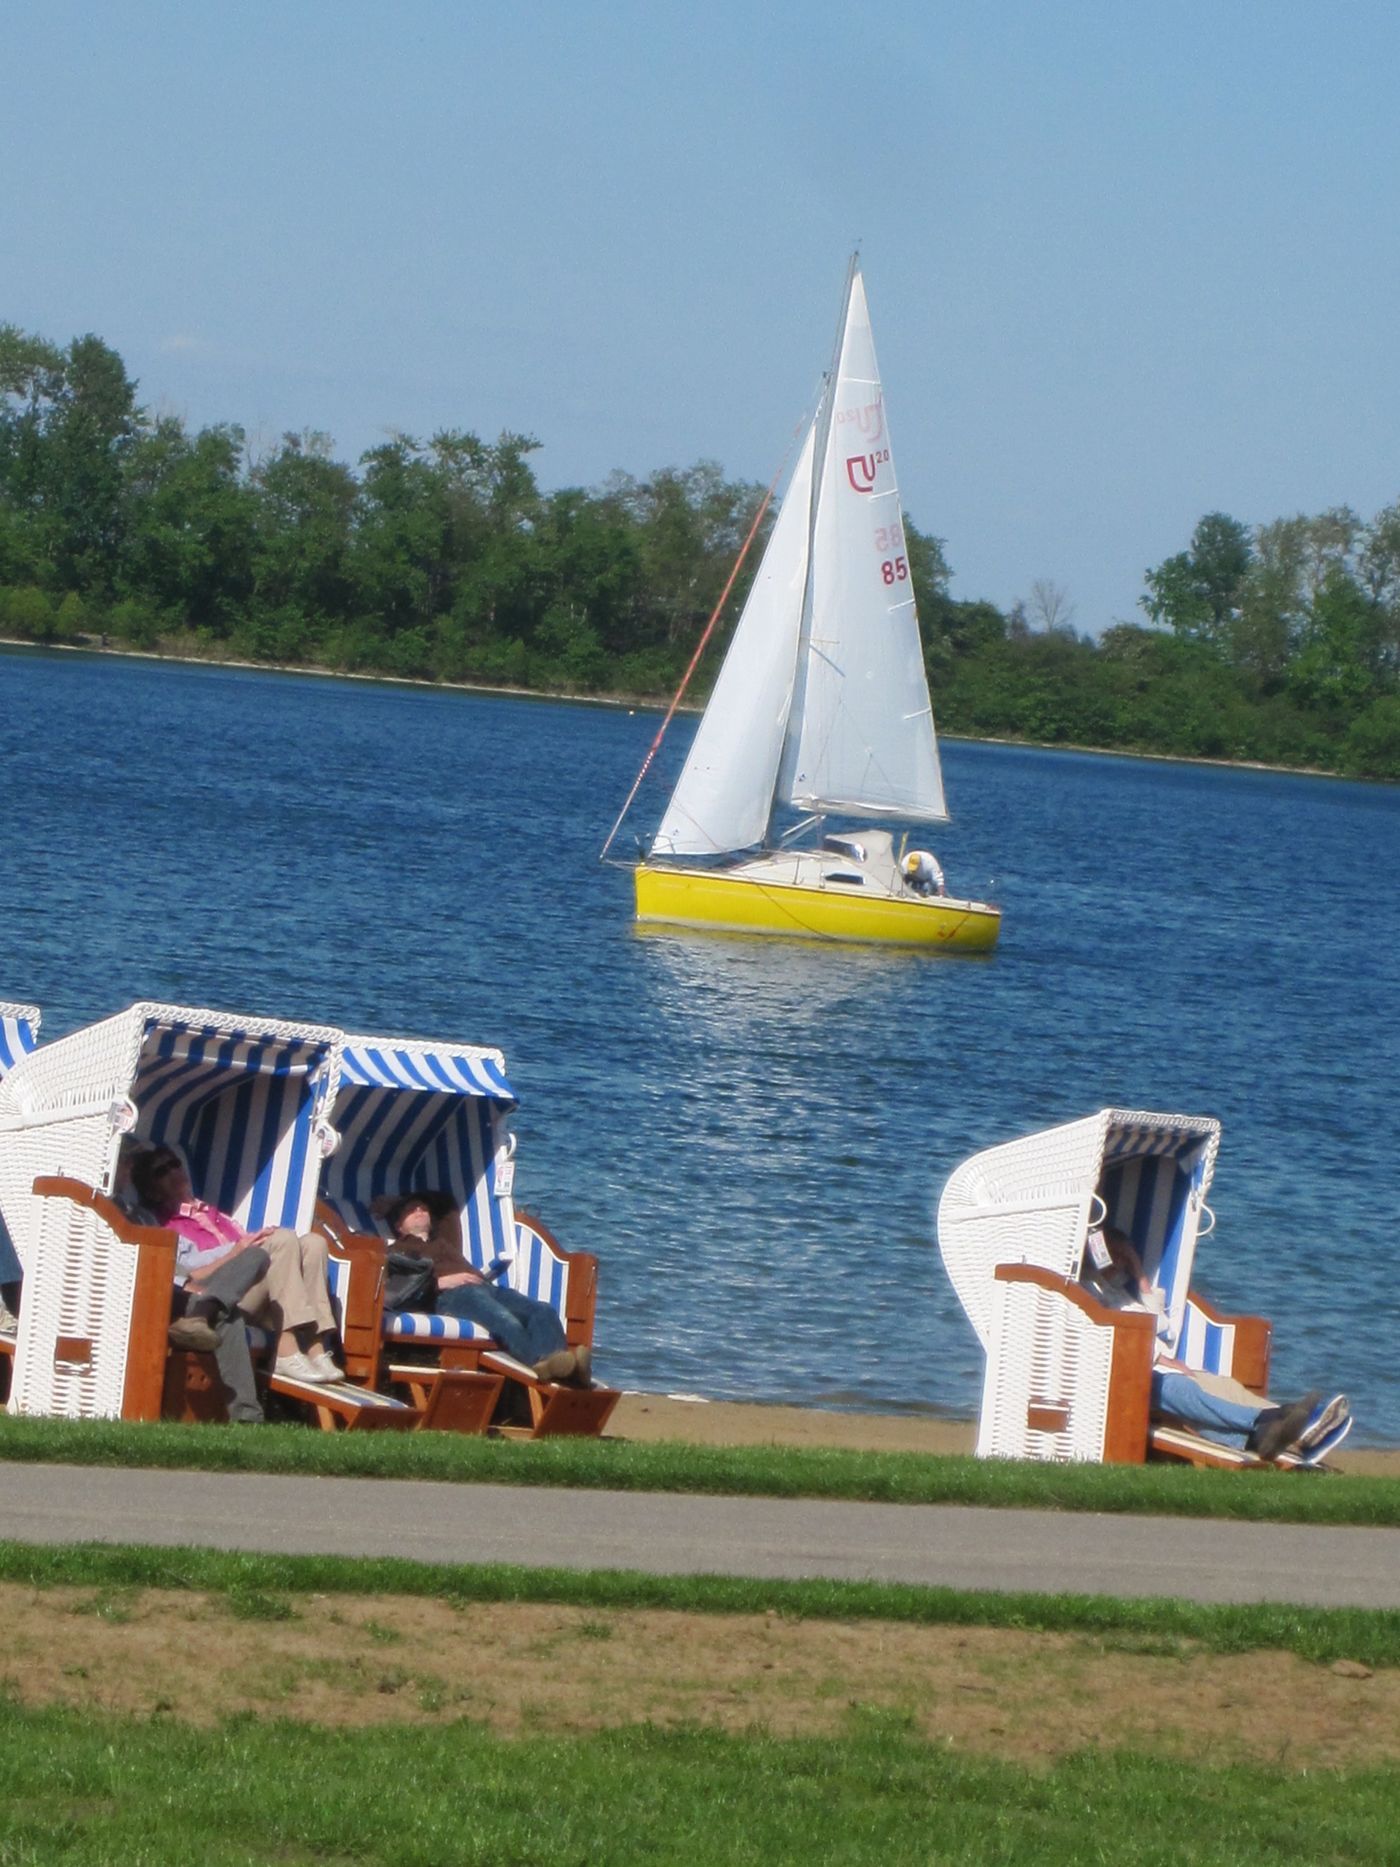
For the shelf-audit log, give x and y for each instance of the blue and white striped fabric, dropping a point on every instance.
(406, 1326)
(1149, 1179)
(423, 1118)
(19, 1032)
(243, 1112)
(377, 1064)
(1207, 1345)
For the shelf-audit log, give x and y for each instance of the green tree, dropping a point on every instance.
(1197, 593)
(304, 511)
(189, 522)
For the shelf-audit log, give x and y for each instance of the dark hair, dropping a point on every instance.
(148, 1168)
(405, 1203)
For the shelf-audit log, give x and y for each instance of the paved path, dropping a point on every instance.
(933, 1544)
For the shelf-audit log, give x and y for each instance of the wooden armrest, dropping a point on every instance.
(1134, 1337)
(362, 1311)
(581, 1287)
(155, 1246)
(1254, 1337)
(1131, 1321)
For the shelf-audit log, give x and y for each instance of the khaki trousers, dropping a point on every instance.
(292, 1294)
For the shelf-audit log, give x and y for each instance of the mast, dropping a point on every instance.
(821, 434)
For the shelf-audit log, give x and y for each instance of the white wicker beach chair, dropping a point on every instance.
(415, 1115)
(243, 1098)
(1066, 1377)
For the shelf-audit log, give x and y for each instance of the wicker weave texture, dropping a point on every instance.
(1044, 1352)
(79, 1286)
(1028, 1202)
(64, 1107)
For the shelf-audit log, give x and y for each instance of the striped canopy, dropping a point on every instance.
(242, 1105)
(19, 1032)
(424, 1117)
(380, 1063)
(1155, 1175)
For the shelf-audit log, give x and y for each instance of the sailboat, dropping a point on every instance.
(821, 704)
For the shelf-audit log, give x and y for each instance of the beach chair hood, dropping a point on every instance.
(243, 1098)
(1031, 1201)
(421, 1116)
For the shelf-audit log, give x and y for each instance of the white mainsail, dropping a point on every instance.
(862, 742)
(822, 699)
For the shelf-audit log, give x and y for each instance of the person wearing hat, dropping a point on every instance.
(525, 1328)
(922, 873)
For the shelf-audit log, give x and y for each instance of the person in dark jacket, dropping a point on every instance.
(525, 1328)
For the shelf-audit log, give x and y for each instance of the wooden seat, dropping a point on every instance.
(449, 1400)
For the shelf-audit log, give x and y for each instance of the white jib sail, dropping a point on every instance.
(863, 741)
(724, 796)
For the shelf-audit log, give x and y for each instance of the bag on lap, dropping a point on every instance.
(409, 1281)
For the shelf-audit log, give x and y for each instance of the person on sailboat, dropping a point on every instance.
(922, 873)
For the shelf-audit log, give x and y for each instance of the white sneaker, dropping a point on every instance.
(297, 1367)
(326, 1368)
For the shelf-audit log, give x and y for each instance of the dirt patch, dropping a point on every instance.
(360, 1660)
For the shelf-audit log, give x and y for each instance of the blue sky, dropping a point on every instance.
(1127, 263)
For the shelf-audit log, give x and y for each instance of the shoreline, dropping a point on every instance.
(633, 703)
(696, 1421)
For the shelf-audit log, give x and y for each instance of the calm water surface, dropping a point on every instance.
(751, 1134)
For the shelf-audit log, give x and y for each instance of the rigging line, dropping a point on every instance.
(655, 746)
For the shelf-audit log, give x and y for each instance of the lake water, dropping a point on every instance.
(751, 1134)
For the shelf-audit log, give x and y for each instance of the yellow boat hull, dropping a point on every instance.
(743, 904)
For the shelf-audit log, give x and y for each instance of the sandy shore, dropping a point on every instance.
(737, 1423)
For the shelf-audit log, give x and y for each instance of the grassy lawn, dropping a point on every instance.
(92, 1788)
(766, 1471)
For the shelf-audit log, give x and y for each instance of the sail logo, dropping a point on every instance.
(861, 469)
(869, 419)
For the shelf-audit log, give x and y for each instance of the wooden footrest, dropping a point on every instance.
(556, 1409)
(1168, 1441)
(449, 1400)
(352, 1409)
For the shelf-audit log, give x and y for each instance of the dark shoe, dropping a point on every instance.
(194, 1332)
(583, 1367)
(1323, 1424)
(559, 1366)
(1277, 1427)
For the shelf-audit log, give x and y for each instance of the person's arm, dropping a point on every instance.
(450, 1266)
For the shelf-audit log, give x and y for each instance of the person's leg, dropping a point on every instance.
(508, 1316)
(540, 1321)
(1183, 1398)
(279, 1302)
(224, 1288)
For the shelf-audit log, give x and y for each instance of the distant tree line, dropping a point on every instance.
(444, 560)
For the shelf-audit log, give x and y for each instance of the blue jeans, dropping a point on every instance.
(1180, 1396)
(524, 1327)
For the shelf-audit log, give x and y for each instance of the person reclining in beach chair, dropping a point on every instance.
(1307, 1428)
(525, 1328)
(204, 1318)
(287, 1292)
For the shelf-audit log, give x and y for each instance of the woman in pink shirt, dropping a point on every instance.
(290, 1299)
